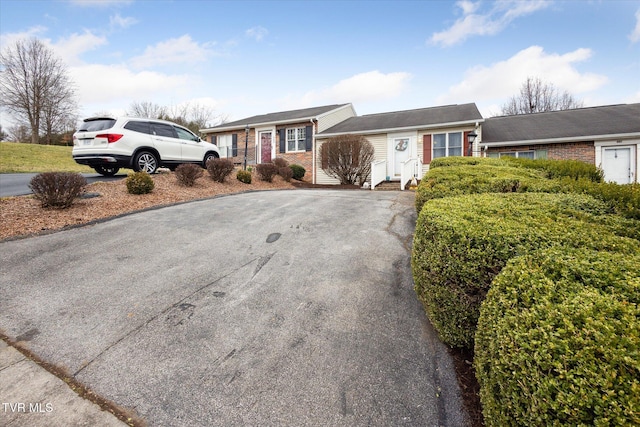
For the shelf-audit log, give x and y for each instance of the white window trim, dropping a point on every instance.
(446, 144)
(258, 143)
(297, 140)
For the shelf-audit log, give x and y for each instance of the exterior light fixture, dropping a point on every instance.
(471, 137)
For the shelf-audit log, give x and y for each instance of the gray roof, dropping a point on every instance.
(423, 117)
(566, 124)
(282, 116)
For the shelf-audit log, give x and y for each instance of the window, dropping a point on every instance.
(142, 127)
(296, 139)
(224, 145)
(161, 129)
(523, 154)
(185, 134)
(447, 144)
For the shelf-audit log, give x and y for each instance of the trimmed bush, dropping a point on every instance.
(558, 341)
(266, 171)
(482, 177)
(244, 176)
(286, 173)
(440, 162)
(188, 173)
(298, 172)
(462, 243)
(219, 169)
(57, 189)
(574, 169)
(280, 162)
(458, 176)
(140, 183)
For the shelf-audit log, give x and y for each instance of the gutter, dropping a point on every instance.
(586, 138)
(405, 128)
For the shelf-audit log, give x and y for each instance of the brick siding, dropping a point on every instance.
(583, 151)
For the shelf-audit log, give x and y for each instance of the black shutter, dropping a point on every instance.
(283, 140)
(234, 145)
(214, 139)
(308, 138)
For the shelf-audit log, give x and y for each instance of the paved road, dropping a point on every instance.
(17, 184)
(269, 308)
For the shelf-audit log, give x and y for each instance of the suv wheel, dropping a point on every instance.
(107, 170)
(207, 157)
(145, 161)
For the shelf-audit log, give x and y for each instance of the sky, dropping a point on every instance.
(243, 58)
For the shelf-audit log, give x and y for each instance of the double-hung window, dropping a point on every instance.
(296, 139)
(447, 144)
(224, 145)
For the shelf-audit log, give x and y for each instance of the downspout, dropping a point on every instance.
(313, 152)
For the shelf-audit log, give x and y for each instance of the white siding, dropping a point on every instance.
(379, 143)
(335, 117)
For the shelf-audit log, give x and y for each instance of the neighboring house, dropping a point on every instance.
(406, 141)
(607, 136)
(286, 134)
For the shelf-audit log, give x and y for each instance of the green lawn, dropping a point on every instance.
(18, 157)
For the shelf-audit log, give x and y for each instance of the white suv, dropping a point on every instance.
(108, 144)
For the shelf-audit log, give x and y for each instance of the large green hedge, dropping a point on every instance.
(461, 243)
(452, 176)
(558, 341)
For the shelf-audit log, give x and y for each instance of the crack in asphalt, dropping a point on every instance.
(166, 310)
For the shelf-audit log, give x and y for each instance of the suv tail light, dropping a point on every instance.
(111, 137)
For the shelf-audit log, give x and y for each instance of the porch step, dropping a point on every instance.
(388, 186)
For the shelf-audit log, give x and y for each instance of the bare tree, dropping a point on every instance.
(3, 134)
(33, 80)
(147, 110)
(347, 158)
(18, 133)
(536, 97)
(193, 116)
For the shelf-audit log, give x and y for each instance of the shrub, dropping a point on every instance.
(483, 177)
(188, 173)
(139, 183)
(298, 172)
(266, 171)
(280, 162)
(464, 161)
(487, 176)
(575, 169)
(244, 176)
(462, 243)
(219, 169)
(57, 189)
(286, 173)
(347, 158)
(558, 341)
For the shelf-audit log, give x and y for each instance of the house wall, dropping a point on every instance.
(302, 158)
(241, 136)
(331, 119)
(583, 151)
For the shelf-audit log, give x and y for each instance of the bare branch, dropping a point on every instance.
(536, 96)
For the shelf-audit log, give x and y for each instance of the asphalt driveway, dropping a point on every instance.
(268, 308)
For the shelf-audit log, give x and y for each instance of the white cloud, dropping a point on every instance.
(491, 22)
(258, 33)
(364, 87)
(499, 81)
(104, 84)
(635, 34)
(182, 50)
(70, 48)
(9, 39)
(117, 21)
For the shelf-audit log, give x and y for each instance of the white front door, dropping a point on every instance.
(401, 151)
(616, 164)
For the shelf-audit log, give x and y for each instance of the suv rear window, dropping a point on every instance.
(96, 125)
(142, 127)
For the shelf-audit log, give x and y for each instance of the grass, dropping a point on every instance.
(34, 158)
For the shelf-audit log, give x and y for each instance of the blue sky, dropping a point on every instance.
(253, 57)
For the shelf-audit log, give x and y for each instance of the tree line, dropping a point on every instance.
(37, 92)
